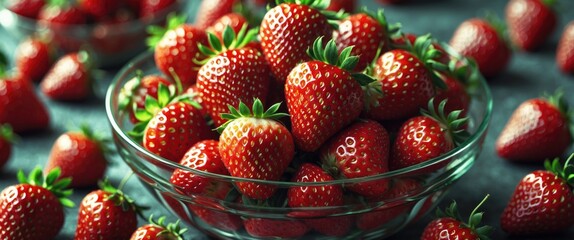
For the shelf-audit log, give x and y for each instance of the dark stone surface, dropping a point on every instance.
(528, 75)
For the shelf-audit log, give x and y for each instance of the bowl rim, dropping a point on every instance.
(477, 136)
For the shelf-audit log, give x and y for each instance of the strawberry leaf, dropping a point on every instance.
(157, 32)
(256, 111)
(7, 133)
(453, 123)
(50, 183)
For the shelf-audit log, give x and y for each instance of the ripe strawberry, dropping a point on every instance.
(367, 32)
(33, 209)
(246, 135)
(405, 80)
(209, 11)
(148, 8)
(542, 203)
(348, 6)
(537, 129)
(449, 225)
(274, 228)
(322, 95)
(107, 213)
(176, 47)
(400, 41)
(234, 20)
(98, 9)
(360, 150)
(319, 196)
(135, 91)
(232, 73)
(26, 8)
(61, 12)
(459, 74)
(34, 57)
(80, 156)
(482, 41)
(7, 138)
(69, 79)
(565, 49)
(425, 137)
(530, 22)
(287, 31)
(20, 106)
(158, 230)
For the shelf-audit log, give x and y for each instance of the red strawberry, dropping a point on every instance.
(542, 203)
(449, 225)
(400, 41)
(148, 8)
(26, 8)
(565, 49)
(69, 79)
(274, 228)
(158, 230)
(456, 77)
(482, 41)
(33, 209)
(287, 31)
(360, 150)
(106, 213)
(98, 9)
(209, 11)
(537, 129)
(322, 95)
(20, 106)
(80, 156)
(33, 58)
(342, 5)
(318, 196)
(61, 12)
(405, 79)
(231, 74)
(176, 49)
(7, 138)
(137, 89)
(233, 20)
(245, 136)
(425, 137)
(530, 22)
(367, 32)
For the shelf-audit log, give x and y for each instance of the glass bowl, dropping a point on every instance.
(356, 219)
(111, 44)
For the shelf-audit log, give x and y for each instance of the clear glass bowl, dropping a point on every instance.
(111, 44)
(368, 220)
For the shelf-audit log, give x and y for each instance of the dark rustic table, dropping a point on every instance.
(528, 75)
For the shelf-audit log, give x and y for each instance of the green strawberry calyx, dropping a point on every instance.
(119, 198)
(257, 111)
(565, 172)
(170, 230)
(230, 40)
(7, 133)
(474, 219)
(52, 182)
(321, 5)
(157, 32)
(559, 102)
(3, 64)
(379, 16)
(453, 122)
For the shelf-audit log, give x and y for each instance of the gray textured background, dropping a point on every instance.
(528, 75)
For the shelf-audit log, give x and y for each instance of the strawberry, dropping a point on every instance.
(176, 47)
(61, 13)
(80, 156)
(360, 150)
(537, 129)
(137, 89)
(399, 40)
(484, 42)
(274, 228)
(565, 49)
(107, 213)
(34, 209)
(69, 79)
(322, 95)
(288, 30)
(449, 225)
(246, 135)
(425, 137)
(158, 230)
(148, 8)
(209, 11)
(231, 74)
(460, 73)
(98, 9)
(233, 20)
(542, 203)
(19, 105)
(26, 8)
(405, 79)
(7, 138)
(530, 22)
(34, 57)
(348, 6)
(367, 32)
